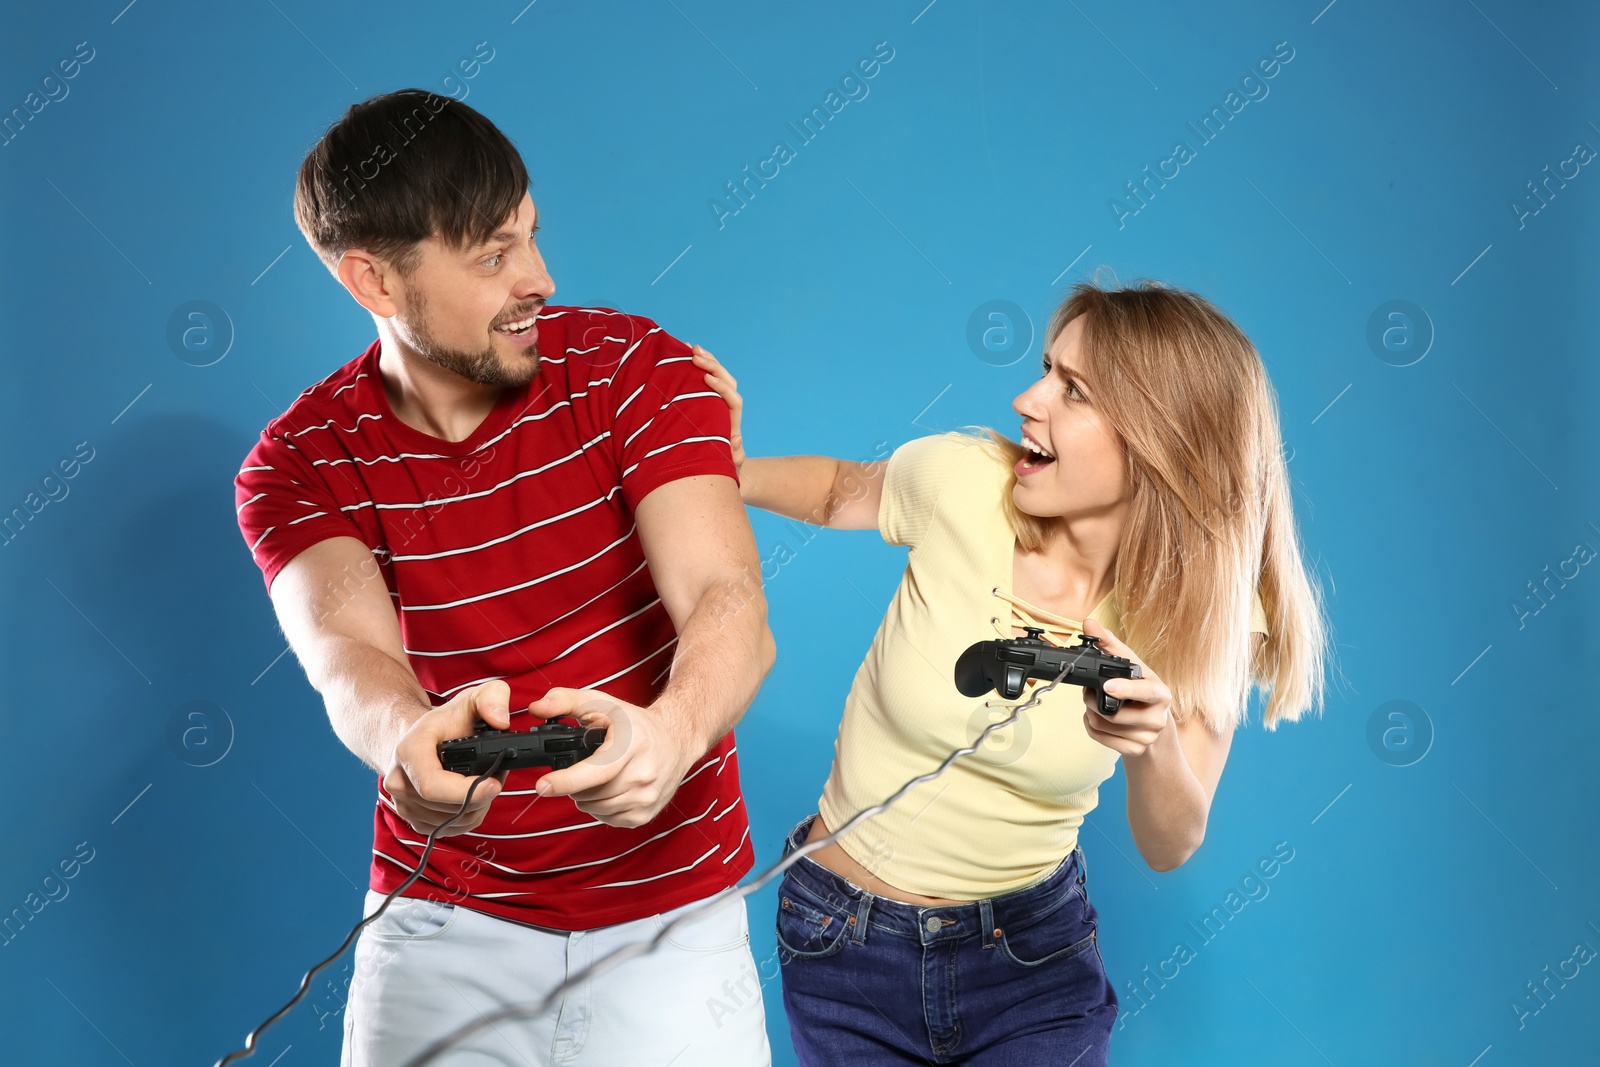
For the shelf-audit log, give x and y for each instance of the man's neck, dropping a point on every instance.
(428, 398)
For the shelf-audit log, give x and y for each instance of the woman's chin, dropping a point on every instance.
(1027, 501)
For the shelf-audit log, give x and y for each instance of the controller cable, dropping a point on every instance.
(249, 1048)
(612, 959)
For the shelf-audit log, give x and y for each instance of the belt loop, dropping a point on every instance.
(797, 836)
(1083, 866)
(986, 920)
(859, 919)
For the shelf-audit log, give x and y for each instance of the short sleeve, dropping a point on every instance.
(668, 423)
(283, 506)
(1258, 617)
(918, 470)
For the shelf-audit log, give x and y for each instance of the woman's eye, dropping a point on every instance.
(1071, 392)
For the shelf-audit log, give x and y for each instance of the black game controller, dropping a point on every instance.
(547, 745)
(1007, 666)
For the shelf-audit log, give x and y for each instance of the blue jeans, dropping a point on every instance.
(1006, 981)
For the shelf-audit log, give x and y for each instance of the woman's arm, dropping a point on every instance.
(836, 493)
(1169, 797)
(1173, 769)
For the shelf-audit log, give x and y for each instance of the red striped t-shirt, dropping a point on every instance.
(513, 554)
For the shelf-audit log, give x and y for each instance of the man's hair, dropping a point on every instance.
(401, 167)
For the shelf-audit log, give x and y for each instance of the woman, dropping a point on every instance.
(1148, 501)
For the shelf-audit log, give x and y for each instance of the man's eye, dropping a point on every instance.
(494, 261)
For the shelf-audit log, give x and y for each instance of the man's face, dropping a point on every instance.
(456, 301)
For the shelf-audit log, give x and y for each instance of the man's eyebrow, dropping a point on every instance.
(500, 237)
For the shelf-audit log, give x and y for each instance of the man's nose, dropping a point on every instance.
(535, 279)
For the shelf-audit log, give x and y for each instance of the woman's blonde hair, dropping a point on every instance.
(1211, 520)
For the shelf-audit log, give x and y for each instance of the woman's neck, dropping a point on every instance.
(1077, 563)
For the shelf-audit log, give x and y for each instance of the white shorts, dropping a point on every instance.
(425, 968)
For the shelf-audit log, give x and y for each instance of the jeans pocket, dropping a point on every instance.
(1061, 933)
(412, 919)
(808, 927)
(718, 926)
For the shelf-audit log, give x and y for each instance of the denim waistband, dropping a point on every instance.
(985, 917)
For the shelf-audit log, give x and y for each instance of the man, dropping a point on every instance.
(510, 512)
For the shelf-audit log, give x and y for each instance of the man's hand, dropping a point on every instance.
(425, 794)
(630, 778)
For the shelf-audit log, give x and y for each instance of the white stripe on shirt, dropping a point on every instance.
(675, 444)
(501, 540)
(530, 633)
(654, 877)
(521, 585)
(735, 853)
(330, 422)
(437, 501)
(587, 863)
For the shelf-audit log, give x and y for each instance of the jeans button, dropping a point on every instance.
(933, 924)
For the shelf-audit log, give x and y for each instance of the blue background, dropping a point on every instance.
(981, 166)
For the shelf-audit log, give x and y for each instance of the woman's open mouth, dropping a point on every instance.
(1034, 458)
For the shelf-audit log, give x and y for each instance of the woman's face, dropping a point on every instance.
(1087, 474)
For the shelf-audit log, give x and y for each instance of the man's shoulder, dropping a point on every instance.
(571, 313)
(588, 327)
(346, 392)
(340, 399)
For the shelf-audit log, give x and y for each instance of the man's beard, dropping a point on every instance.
(486, 367)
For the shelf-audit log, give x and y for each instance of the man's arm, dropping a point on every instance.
(702, 558)
(334, 607)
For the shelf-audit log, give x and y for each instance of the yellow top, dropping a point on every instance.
(1003, 817)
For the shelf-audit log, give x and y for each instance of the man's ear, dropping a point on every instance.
(374, 283)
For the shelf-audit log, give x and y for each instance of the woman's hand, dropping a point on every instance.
(803, 488)
(1146, 702)
(719, 379)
